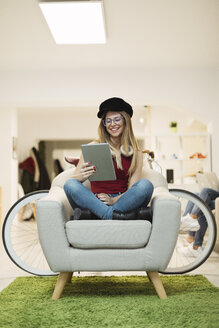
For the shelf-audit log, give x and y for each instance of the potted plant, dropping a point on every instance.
(173, 126)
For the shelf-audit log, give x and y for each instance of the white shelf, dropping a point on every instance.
(183, 146)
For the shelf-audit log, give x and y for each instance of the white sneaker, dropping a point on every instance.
(190, 251)
(188, 223)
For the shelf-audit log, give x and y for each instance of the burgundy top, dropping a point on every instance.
(115, 186)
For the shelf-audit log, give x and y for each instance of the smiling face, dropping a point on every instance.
(114, 123)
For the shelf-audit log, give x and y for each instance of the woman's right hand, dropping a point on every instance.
(85, 172)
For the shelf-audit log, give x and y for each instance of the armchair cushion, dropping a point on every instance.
(103, 234)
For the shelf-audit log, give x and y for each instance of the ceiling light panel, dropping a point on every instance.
(75, 22)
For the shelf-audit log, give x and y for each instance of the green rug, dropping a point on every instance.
(129, 301)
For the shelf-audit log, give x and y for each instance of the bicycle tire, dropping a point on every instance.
(16, 232)
(189, 264)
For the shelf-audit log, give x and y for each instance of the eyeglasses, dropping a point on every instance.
(115, 120)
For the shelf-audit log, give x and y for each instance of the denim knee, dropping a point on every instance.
(145, 186)
(71, 186)
(205, 192)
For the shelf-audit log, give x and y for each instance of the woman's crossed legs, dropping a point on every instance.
(79, 196)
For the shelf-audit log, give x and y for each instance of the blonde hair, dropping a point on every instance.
(127, 139)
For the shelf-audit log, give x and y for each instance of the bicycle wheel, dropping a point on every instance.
(20, 236)
(181, 262)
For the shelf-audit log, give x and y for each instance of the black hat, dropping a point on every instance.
(114, 105)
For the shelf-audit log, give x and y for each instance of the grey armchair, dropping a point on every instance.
(102, 245)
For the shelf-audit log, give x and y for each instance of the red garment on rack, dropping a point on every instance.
(28, 165)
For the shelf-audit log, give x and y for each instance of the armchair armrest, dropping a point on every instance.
(52, 213)
(165, 227)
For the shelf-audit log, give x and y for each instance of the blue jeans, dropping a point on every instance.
(79, 196)
(208, 195)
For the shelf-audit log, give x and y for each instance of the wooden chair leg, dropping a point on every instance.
(69, 277)
(158, 285)
(60, 284)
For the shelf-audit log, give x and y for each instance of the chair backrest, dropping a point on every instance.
(208, 180)
(156, 178)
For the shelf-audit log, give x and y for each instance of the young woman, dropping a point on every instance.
(127, 197)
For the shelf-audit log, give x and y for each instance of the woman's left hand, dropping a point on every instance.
(105, 198)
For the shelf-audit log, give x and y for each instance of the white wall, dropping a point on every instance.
(8, 172)
(186, 88)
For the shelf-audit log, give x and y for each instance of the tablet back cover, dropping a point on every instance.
(100, 156)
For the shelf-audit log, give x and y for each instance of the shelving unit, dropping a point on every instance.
(174, 151)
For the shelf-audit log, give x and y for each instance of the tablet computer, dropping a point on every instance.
(100, 156)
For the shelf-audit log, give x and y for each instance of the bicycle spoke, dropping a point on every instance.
(20, 236)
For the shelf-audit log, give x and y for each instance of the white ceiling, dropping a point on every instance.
(140, 34)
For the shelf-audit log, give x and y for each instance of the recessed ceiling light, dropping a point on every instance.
(75, 22)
